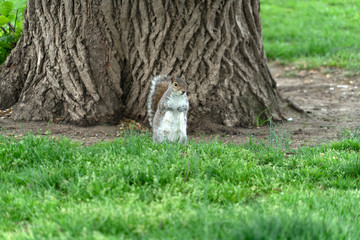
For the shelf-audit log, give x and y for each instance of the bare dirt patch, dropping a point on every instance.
(329, 97)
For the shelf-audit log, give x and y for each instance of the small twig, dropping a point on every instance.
(3, 30)
(187, 172)
(11, 27)
(16, 16)
(295, 106)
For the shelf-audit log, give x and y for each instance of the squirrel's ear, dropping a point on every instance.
(172, 79)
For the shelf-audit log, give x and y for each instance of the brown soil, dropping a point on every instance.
(329, 97)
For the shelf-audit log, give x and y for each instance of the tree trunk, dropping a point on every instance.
(91, 61)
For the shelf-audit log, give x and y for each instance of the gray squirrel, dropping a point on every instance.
(167, 108)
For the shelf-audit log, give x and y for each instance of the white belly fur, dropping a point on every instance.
(173, 126)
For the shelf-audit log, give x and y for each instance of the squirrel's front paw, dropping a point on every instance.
(182, 108)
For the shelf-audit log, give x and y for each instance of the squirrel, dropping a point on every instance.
(167, 108)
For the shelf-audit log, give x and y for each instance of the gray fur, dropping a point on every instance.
(169, 121)
(154, 82)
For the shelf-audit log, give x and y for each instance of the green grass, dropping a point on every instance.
(312, 33)
(133, 188)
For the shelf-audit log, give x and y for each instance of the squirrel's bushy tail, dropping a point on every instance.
(158, 86)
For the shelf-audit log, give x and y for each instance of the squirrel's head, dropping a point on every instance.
(179, 85)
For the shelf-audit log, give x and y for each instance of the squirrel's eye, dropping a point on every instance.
(175, 84)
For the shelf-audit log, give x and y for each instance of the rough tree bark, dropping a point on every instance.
(91, 61)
